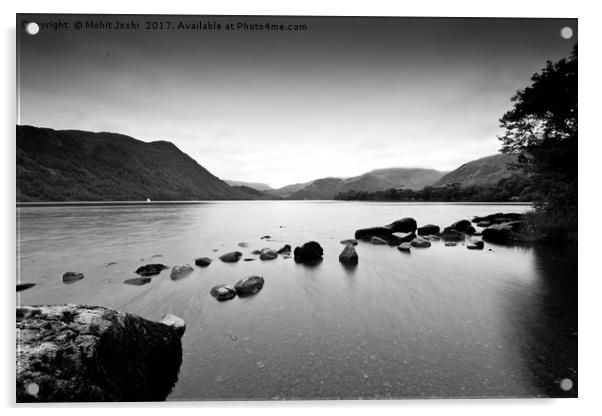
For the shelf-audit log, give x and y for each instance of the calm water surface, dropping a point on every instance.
(439, 322)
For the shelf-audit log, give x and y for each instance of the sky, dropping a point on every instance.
(343, 97)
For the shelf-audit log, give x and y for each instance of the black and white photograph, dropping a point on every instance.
(271, 207)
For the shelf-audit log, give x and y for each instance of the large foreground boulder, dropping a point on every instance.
(74, 353)
(310, 252)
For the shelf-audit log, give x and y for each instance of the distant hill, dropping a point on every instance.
(288, 190)
(485, 171)
(376, 180)
(72, 165)
(254, 185)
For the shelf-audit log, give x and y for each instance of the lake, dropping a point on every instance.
(438, 322)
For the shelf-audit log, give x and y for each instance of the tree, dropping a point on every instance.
(542, 129)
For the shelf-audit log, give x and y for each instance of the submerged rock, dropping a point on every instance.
(404, 225)
(268, 254)
(428, 229)
(450, 244)
(71, 277)
(138, 281)
(243, 244)
(285, 250)
(249, 259)
(309, 252)
(483, 224)
(249, 285)
(202, 261)
(223, 292)
(74, 353)
(349, 255)
(452, 235)
(231, 257)
(378, 241)
(476, 245)
(420, 243)
(180, 272)
(150, 269)
(349, 242)
(24, 286)
(404, 247)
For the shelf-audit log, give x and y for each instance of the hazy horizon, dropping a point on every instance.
(344, 97)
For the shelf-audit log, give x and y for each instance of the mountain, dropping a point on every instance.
(288, 190)
(73, 165)
(254, 185)
(376, 180)
(485, 171)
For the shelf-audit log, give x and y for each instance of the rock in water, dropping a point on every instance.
(231, 257)
(267, 254)
(175, 322)
(349, 255)
(24, 286)
(504, 233)
(476, 245)
(420, 243)
(378, 241)
(310, 252)
(73, 353)
(367, 233)
(138, 281)
(150, 269)
(404, 225)
(285, 250)
(349, 242)
(249, 285)
(460, 226)
(70, 277)
(404, 247)
(428, 229)
(223, 292)
(450, 244)
(452, 235)
(202, 261)
(180, 272)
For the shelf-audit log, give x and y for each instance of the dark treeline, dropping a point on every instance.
(514, 188)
